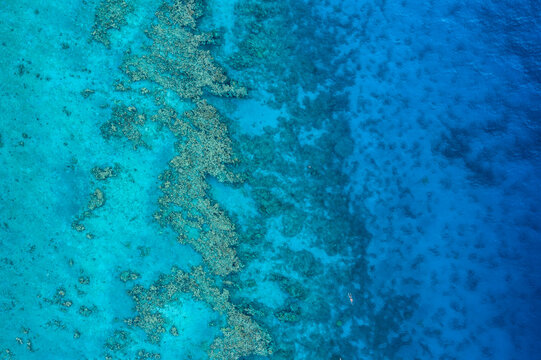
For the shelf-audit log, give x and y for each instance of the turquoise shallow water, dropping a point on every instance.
(257, 179)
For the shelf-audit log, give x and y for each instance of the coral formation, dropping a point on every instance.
(105, 172)
(110, 14)
(178, 61)
(241, 337)
(128, 275)
(97, 200)
(185, 205)
(124, 122)
(306, 149)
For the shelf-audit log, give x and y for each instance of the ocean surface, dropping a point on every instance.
(257, 179)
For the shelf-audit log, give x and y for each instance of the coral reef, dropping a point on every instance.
(124, 122)
(185, 205)
(241, 337)
(105, 172)
(178, 61)
(97, 200)
(295, 170)
(128, 275)
(110, 14)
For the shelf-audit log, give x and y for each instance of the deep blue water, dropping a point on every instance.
(251, 179)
